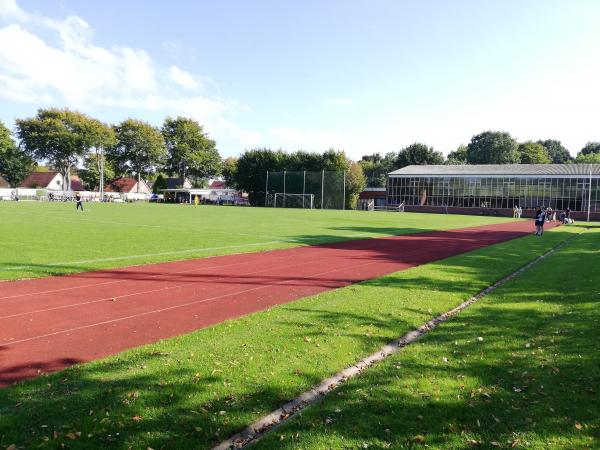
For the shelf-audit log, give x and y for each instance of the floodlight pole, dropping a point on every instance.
(267, 189)
(344, 198)
(590, 195)
(322, 187)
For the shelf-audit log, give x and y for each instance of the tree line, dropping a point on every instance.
(489, 147)
(72, 142)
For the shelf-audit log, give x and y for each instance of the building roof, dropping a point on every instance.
(174, 183)
(218, 184)
(123, 184)
(3, 183)
(538, 170)
(38, 179)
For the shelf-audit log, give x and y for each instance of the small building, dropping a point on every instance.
(371, 198)
(52, 181)
(177, 183)
(127, 185)
(495, 189)
(3, 183)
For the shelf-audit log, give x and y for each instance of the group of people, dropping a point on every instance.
(543, 215)
(517, 211)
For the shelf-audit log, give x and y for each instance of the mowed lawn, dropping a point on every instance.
(40, 239)
(519, 369)
(192, 391)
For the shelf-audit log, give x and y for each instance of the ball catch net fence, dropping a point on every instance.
(304, 189)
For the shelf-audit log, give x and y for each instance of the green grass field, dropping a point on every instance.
(531, 381)
(40, 239)
(194, 390)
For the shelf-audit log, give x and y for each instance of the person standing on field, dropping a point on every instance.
(540, 218)
(79, 201)
(196, 200)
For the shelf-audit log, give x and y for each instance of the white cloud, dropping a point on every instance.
(339, 101)
(183, 78)
(76, 72)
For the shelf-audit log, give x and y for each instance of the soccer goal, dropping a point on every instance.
(285, 200)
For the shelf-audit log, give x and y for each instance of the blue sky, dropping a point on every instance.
(363, 76)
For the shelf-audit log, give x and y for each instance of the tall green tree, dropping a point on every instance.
(376, 168)
(533, 153)
(458, 156)
(90, 174)
(191, 153)
(589, 158)
(229, 168)
(556, 151)
(493, 147)
(15, 164)
(60, 136)
(355, 183)
(252, 167)
(590, 147)
(418, 154)
(139, 148)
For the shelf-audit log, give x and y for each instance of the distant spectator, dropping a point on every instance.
(540, 218)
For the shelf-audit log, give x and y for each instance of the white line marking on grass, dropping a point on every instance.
(146, 255)
(273, 420)
(183, 305)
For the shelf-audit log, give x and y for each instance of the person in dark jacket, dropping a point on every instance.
(540, 218)
(79, 201)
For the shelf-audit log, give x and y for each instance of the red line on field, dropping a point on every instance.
(51, 323)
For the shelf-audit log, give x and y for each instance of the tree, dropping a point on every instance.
(533, 153)
(139, 148)
(229, 168)
(458, 156)
(590, 158)
(15, 164)
(556, 151)
(493, 147)
(60, 136)
(90, 174)
(590, 147)
(376, 168)
(355, 183)
(418, 154)
(100, 137)
(159, 184)
(252, 170)
(190, 151)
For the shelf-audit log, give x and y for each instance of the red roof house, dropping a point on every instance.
(127, 185)
(50, 180)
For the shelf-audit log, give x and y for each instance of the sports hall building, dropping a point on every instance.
(495, 189)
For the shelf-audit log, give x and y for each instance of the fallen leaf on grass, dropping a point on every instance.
(578, 425)
(136, 418)
(11, 447)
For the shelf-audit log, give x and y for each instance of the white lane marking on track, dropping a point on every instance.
(156, 311)
(179, 272)
(165, 288)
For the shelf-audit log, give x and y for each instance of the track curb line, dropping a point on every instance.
(276, 418)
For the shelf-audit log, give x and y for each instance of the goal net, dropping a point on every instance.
(285, 200)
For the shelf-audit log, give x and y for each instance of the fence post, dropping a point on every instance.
(284, 188)
(590, 195)
(304, 189)
(344, 197)
(322, 188)
(267, 189)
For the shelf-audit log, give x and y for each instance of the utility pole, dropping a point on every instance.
(101, 189)
(267, 189)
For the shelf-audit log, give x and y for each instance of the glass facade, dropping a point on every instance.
(495, 191)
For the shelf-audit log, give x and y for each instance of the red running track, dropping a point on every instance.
(50, 323)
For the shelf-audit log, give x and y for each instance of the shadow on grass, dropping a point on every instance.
(154, 400)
